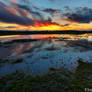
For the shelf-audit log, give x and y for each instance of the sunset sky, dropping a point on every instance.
(45, 15)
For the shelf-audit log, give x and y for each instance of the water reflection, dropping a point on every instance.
(38, 56)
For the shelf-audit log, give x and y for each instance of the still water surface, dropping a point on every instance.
(51, 51)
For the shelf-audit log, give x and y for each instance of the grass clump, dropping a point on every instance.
(82, 78)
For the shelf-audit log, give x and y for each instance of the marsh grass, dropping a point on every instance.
(57, 80)
(82, 78)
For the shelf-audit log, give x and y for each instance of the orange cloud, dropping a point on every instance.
(10, 10)
(45, 26)
(26, 13)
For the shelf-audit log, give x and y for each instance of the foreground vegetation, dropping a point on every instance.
(57, 80)
(82, 78)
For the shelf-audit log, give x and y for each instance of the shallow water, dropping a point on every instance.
(37, 57)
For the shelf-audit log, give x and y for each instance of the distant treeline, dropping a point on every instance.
(6, 32)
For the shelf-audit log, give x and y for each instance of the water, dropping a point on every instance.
(51, 51)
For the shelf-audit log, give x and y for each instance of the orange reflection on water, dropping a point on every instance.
(9, 36)
(20, 48)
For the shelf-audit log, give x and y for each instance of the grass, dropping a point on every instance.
(19, 82)
(82, 78)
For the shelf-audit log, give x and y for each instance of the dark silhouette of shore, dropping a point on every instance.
(75, 32)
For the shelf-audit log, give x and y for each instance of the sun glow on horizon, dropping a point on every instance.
(46, 26)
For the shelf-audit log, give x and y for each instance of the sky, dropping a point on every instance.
(45, 15)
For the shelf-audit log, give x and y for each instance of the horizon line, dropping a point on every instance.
(13, 32)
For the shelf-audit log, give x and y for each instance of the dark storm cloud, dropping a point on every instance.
(9, 17)
(34, 14)
(67, 8)
(23, 7)
(6, 16)
(82, 15)
(52, 11)
(37, 15)
(49, 20)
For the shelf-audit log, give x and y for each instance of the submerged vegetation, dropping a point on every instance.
(19, 82)
(57, 80)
